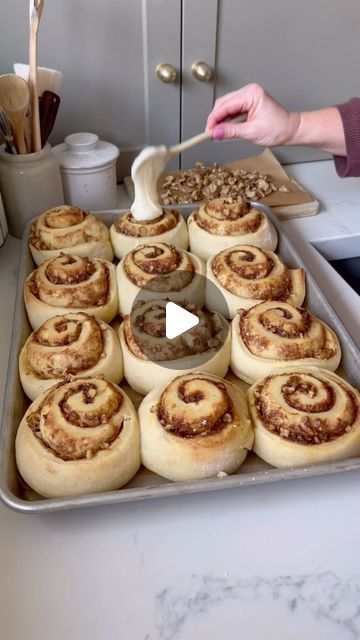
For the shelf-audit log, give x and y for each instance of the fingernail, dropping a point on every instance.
(218, 133)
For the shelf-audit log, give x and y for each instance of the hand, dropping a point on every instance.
(267, 124)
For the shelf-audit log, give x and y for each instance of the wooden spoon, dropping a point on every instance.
(14, 99)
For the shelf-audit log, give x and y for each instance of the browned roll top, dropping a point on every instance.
(65, 226)
(226, 217)
(78, 419)
(64, 345)
(281, 331)
(195, 405)
(251, 272)
(305, 407)
(129, 226)
(169, 268)
(71, 281)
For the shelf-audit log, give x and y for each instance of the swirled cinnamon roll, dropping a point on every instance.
(67, 229)
(276, 335)
(127, 232)
(70, 283)
(194, 427)
(151, 359)
(304, 416)
(72, 344)
(247, 275)
(159, 270)
(78, 437)
(224, 222)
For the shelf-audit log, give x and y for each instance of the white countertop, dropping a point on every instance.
(277, 561)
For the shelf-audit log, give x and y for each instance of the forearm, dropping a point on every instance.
(321, 129)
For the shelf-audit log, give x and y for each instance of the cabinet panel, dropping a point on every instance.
(306, 54)
(199, 28)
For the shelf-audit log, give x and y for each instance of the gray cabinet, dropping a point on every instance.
(306, 54)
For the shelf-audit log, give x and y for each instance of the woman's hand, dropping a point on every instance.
(267, 124)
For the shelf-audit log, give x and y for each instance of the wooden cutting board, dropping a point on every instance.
(297, 203)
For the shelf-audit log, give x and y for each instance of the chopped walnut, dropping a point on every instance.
(203, 182)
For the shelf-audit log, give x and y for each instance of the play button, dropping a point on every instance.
(175, 330)
(178, 320)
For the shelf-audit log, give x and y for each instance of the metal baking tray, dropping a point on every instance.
(146, 485)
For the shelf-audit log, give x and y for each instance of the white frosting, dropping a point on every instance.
(145, 172)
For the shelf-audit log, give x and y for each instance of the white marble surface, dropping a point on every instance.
(277, 561)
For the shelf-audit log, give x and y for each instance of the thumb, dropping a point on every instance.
(227, 130)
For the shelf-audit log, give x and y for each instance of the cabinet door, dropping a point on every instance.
(305, 53)
(108, 52)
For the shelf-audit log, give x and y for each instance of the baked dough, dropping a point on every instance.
(74, 344)
(127, 232)
(150, 359)
(247, 275)
(67, 229)
(159, 270)
(78, 437)
(275, 335)
(70, 283)
(223, 222)
(194, 427)
(304, 416)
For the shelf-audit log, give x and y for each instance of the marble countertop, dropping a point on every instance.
(273, 561)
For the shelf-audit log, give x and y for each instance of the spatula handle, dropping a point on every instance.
(201, 137)
(191, 142)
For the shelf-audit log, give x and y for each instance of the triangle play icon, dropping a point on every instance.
(178, 320)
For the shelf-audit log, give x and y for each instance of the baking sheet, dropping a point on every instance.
(147, 485)
(297, 203)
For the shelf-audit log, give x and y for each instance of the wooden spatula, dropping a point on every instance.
(36, 8)
(14, 99)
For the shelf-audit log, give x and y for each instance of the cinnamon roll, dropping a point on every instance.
(70, 283)
(276, 335)
(78, 437)
(150, 359)
(66, 229)
(72, 344)
(127, 232)
(159, 270)
(304, 416)
(194, 427)
(224, 222)
(247, 275)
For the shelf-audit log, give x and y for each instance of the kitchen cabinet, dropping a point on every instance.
(306, 54)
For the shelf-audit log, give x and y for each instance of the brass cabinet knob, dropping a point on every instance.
(201, 71)
(166, 73)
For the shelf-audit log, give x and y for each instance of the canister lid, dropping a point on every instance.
(85, 151)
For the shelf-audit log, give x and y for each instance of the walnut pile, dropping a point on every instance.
(203, 183)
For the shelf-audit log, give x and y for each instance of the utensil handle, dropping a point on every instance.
(48, 108)
(36, 9)
(191, 142)
(34, 99)
(201, 137)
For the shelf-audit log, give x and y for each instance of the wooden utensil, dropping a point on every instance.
(36, 8)
(201, 137)
(14, 99)
(47, 79)
(49, 105)
(6, 132)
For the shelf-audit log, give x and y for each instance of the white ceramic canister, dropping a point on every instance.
(29, 184)
(88, 170)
